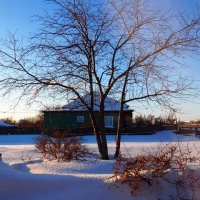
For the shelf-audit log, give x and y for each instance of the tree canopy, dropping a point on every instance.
(122, 48)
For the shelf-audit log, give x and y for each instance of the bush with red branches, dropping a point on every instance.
(171, 164)
(61, 147)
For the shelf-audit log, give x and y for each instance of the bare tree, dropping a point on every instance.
(113, 47)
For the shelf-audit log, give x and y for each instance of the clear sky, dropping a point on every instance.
(16, 16)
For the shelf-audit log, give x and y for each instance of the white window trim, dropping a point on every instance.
(80, 118)
(112, 122)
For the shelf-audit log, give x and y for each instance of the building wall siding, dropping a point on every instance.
(68, 120)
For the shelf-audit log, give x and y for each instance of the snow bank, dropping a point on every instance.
(27, 177)
(22, 186)
(17, 139)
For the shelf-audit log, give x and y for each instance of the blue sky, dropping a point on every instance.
(16, 16)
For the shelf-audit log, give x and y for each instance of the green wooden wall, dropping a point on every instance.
(68, 120)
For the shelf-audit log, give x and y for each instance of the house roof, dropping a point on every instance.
(109, 105)
(3, 124)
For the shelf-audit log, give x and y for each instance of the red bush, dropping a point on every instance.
(61, 147)
(168, 164)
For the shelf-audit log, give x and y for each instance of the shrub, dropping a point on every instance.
(61, 147)
(169, 165)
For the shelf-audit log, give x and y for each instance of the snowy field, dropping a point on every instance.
(24, 175)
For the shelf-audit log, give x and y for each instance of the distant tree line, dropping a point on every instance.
(151, 120)
(27, 123)
(194, 122)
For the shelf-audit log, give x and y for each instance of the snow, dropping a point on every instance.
(2, 123)
(17, 139)
(25, 175)
(110, 104)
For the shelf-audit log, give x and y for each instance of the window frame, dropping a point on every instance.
(80, 120)
(111, 120)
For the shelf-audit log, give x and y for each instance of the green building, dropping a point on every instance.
(75, 118)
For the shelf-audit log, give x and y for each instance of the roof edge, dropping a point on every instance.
(131, 110)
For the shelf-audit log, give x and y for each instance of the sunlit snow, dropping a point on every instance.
(24, 175)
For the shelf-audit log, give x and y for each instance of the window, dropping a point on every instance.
(80, 119)
(108, 120)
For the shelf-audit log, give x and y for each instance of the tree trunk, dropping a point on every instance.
(119, 131)
(96, 132)
(100, 135)
(104, 155)
(102, 132)
(121, 118)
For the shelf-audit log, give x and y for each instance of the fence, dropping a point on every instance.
(14, 131)
(185, 129)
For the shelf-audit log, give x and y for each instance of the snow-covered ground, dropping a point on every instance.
(24, 175)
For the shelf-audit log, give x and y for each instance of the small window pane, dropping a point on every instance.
(80, 118)
(108, 120)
